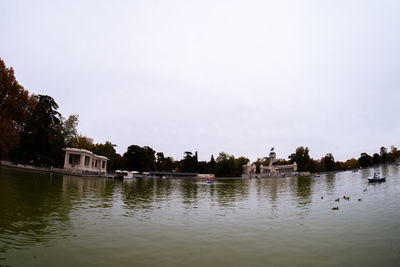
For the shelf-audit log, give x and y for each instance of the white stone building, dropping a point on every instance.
(249, 171)
(272, 170)
(82, 161)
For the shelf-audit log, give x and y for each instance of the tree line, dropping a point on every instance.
(32, 131)
(328, 163)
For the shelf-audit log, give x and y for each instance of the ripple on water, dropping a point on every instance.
(186, 223)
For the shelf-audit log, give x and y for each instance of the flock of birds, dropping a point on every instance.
(345, 198)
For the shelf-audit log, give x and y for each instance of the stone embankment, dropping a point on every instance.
(46, 169)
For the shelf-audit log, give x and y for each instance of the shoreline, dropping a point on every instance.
(8, 164)
(27, 167)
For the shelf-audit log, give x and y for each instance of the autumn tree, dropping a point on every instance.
(15, 105)
(352, 164)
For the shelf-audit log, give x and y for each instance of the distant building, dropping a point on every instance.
(272, 170)
(82, 161)
(249, 170)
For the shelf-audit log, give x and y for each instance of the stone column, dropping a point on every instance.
(82, 164)
(66, 159)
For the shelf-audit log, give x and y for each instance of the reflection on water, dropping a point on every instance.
(87, 216)
(303, 190)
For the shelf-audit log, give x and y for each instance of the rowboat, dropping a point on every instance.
(377, 178)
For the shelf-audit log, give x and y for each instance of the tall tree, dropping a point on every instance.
(15, 106)
(164, 163)
(240, 162)
(329, 162)
(69, 130)
(139, 158)
(107, 150)
(188, 163)
(228, 166)
(43, 137)
(383, 154)
(302, 158)
(393, 155)
(376, 159)
(365, 160)
(211, 165)
(225, 165)
(261, 161)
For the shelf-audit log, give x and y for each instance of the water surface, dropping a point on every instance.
(59, 220)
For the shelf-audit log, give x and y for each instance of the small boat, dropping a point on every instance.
(209, 180)
(377, 178)
(124, 174)
(317, 176)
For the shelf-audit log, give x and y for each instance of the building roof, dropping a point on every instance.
(84, 151)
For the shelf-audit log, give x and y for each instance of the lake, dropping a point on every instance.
(59, 220)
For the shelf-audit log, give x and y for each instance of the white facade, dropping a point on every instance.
(83, 161)
(249, 171)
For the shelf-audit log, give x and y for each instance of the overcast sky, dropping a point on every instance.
(233, 76)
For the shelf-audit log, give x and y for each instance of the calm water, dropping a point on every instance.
(55, 220)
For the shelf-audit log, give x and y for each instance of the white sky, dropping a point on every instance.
(212, 76)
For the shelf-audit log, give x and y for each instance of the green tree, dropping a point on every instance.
(376, 159)
(225, 165)
(316, 166)
(240, 162)
(164, 163)
(69, 130)
(139, 158)
(107, 150)
(43, 140)
(228, 166)
(211, 165)
(383, 154)
(302, 158)
(83, 142)
(352, 164)
(365, 160)
(189, 162)
(329, 162)
(393, 155)
(259, 162)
